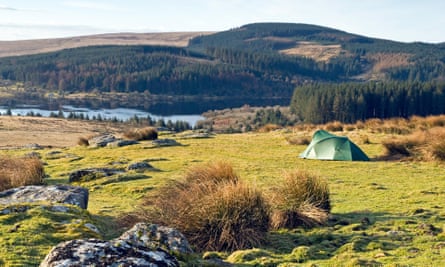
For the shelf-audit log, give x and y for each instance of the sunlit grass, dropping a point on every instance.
(380, 207)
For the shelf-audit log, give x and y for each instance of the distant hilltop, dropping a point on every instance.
(255, 64)
(29, 47)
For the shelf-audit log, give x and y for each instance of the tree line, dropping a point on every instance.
(350, 102)
(173, 71)
(154, 70)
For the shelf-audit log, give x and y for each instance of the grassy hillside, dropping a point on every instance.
(29, 47)
(384, 212)
(265, 60)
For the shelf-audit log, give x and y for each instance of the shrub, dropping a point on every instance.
(405, 146)
(365, 139)
(17, 172)
(350, 127)
(301, 199)
(269, 128)
(438, 150)
(82, 141)
(422, 144)
(360, 125)
(435, 121)
(334, 126)
(436, 140)
(373, 124)
(212, 208)
(298, 140)
(147, 133)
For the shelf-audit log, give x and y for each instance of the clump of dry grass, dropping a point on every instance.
(435, 149)
(334, 126)
(373, 124)
(364, 139)
(435, 121)
(269, 128)
(422, 144)
(146, 133)
(22, 171)
(298, 140)
(350, 127)
(212, 208)
(82, 141)
(301, 199)
(305, 127)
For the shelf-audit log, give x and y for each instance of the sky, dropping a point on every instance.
(399, 20)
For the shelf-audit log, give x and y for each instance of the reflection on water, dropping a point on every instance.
(188, 111)
(105, 113)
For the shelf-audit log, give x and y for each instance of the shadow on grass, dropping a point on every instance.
(350, 233)
(108, 226)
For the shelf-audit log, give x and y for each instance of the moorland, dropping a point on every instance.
(386, 96)
(387, 211)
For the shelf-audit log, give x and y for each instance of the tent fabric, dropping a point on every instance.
(326, 146)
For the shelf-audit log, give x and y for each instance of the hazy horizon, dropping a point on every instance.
(405, 21)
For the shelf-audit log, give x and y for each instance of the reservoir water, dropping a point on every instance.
(105, 113)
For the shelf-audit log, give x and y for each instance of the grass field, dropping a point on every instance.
(387, 213)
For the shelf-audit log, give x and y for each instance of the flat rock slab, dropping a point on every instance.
(165, 142)
(73, 195)
(91, 174)
(101, 140)
(142, 245)
(141, 166)
(94, 252)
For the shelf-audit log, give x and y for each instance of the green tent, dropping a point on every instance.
(331, 147)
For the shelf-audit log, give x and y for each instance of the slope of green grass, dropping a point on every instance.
(383, 212)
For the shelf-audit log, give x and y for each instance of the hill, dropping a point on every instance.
(256, 63)
(30, 47)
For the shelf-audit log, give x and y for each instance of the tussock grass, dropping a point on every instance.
(426, 145)
(298, 140)
(396, 229)
(19, 171)
(212, 208)
(82, 141)
(301, 199)
(146, 133)
(269, 128)
(334, 126)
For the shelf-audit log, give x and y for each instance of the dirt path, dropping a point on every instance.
(21, 131)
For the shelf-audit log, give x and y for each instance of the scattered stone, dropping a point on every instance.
(395, 233)
(14, 228)
(380, 255)
(142, 245)
(196, 135)
(73, 195)
(92, 227)
(91, 174)
(218, 262)
(155, 236)
(54, 152)
(165, 142)
(58, 208)
(365, 221)
(33, 146)
(94, 252)
(33, 155)
(428, 229)
(101, 140)
(140, 166)
(121, 142)
(14, 209)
